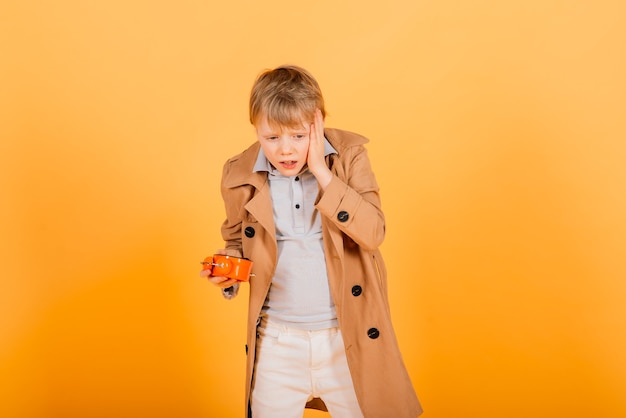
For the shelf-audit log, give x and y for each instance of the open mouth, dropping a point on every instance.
(289, 164)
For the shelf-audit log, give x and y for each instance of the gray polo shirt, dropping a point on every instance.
(299, 295)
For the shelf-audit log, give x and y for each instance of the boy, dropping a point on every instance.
(302, 203)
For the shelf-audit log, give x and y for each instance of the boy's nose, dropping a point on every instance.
(285, 146)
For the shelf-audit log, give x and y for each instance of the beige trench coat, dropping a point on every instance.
(353, 228)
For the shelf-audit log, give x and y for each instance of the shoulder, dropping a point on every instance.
(238, 169)
(248, 155)
(343, 140)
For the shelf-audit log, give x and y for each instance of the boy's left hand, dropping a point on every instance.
(315, 158)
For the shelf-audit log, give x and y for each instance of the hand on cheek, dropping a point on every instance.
(315, 159)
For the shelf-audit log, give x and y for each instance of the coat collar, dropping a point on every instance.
(244, 173)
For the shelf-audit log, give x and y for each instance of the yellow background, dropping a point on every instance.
(497, 135)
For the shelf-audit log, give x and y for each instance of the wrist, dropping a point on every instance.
(323, 177)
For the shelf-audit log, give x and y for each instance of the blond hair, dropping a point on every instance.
(285, 96)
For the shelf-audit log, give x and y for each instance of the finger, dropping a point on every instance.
(317, 133)
(228, 283)
(218, 280)
(223, 282)
(314, 129)
(319, 123)
(312, 139)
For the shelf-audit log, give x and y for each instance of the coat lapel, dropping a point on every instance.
(260, 204)
(260, 207)
(336, 237)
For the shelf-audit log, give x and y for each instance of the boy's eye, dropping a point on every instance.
(300, 136)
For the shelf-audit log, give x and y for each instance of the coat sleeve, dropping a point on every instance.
(352, 201)
(231, 227)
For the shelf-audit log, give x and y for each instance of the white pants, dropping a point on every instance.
(294, 366)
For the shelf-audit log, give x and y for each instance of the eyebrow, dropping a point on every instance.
(288, 130)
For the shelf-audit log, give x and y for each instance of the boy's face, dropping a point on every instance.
(286, 148)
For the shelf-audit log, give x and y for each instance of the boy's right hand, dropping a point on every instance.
(219, 281)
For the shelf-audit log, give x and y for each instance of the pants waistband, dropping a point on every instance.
(268, 324)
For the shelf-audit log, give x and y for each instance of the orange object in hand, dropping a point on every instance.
(228, 266)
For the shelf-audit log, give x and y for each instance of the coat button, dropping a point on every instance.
(373, 333)
(249, 232)
(343, 216)
(356, 290)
